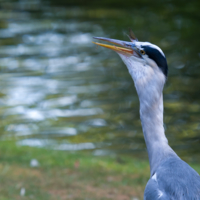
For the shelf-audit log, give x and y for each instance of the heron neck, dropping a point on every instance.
(152, 124)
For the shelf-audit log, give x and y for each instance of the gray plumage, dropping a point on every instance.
(171, 178)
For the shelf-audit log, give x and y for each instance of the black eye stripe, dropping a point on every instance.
(157, 56)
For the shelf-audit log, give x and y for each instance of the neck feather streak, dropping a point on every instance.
(152, 125)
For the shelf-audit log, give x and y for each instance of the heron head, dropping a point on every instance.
(146, 63)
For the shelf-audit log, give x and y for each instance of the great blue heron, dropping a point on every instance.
(171, 178)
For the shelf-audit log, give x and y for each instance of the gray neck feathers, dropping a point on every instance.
(149, 82)
(151, 115)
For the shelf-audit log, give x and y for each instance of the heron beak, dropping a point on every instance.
(127, 48)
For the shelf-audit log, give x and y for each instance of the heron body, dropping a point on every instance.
(171, 178)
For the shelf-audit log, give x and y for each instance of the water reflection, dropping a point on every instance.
(56, 86)
(53, 145)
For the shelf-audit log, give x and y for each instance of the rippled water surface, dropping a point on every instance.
(59, 90)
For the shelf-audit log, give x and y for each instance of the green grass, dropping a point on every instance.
(69, 175)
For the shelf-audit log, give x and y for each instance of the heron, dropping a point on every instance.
(171, 178)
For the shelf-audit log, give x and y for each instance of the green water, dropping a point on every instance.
(57, 89)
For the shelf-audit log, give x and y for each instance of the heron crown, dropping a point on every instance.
(156, 54)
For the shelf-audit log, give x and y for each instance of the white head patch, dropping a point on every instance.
(140, 44)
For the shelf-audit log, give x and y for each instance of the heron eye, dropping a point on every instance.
(142, 52)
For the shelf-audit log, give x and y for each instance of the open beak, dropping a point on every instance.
(127, 48)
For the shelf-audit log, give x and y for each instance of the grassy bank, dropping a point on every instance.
(69, 175)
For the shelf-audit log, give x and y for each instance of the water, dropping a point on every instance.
(59, 90)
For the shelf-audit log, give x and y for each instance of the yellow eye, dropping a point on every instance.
(142, 52)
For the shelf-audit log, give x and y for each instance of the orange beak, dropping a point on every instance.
(127, 48)
(116, 48)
